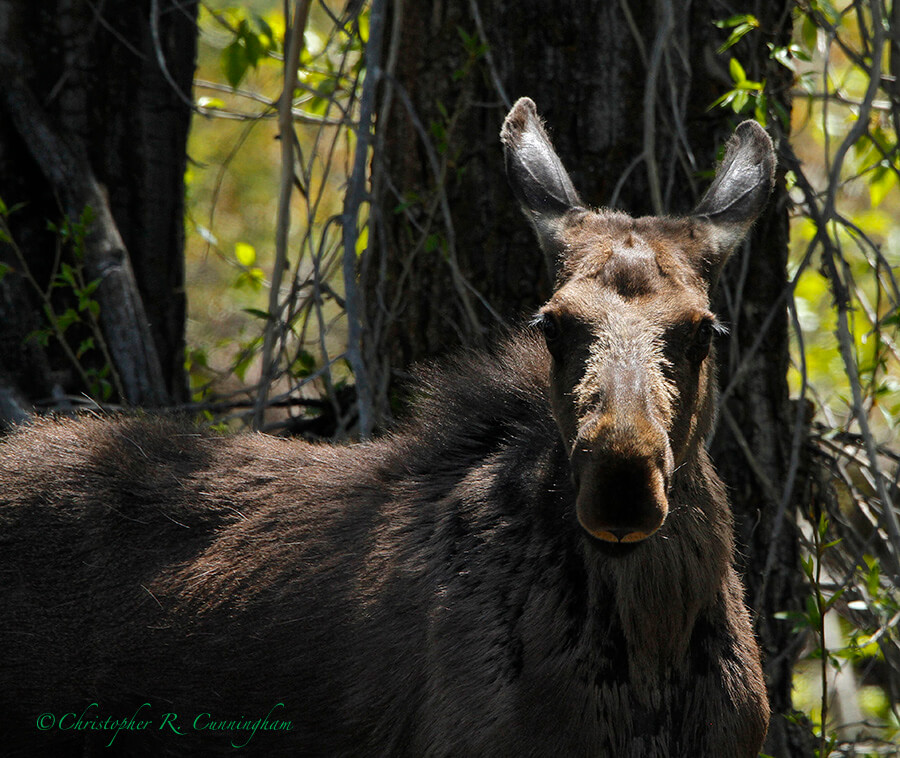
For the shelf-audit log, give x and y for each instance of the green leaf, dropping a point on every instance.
(40, 336)
(737, 71)
(215, 103)
(362, 240)
(737, 20)
(832, 15)
(195, 358)
(67, 276)
(812, 612)
(866, 647)
(723, 100)
(761, 110)
(363, 24)
(467, 39)
(87, 218)
(265, 30)
(786, 55)
(87, 344)
(410, 199)
(106, 389)
(873, 577)
(69, 317)
(4, 269)
(883, 181)
(245, 253)
(892, 319)
(822, 525)
(304, 364)
(235, 63)
(247, 356)
(800, 621)
(739, 101)
(738, 32)
(833, 599)
(252, 278)
(471, 43)
(809, 33)
(253, 47)
(260, 314)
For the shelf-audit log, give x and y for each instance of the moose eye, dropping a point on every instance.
(701, 341)
(550, 326)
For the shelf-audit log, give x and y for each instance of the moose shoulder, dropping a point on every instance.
(538, 563)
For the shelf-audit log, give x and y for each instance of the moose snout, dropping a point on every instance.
(622, 483)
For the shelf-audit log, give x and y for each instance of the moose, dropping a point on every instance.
(537, 562)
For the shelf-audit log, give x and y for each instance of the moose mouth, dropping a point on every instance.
(611, 549)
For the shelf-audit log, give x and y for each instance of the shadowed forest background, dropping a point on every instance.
(266, 213)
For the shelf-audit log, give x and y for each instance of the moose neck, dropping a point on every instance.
(661, 586)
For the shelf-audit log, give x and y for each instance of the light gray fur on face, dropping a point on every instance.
(626, 367)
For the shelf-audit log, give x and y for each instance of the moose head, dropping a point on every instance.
(629, 326)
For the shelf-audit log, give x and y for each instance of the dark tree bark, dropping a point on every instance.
(625, 89)
(96, 110)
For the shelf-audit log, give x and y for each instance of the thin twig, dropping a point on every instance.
(488, 56)
(286, 129)
(353, 199)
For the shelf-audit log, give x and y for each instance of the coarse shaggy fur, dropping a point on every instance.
(428, 594)
(538, 563)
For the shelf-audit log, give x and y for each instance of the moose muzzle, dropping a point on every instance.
(622, 476)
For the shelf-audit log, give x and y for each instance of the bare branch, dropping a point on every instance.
(286, 129)
(352, 202)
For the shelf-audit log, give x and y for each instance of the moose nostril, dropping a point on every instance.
(620, 535)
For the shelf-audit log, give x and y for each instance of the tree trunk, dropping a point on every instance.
(625, 88)
(96, 110)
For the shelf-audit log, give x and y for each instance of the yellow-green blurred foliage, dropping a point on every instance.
(868, 204)
(234, 174)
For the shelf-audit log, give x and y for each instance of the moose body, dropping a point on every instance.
(537, 563)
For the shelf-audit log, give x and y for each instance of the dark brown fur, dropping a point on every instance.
(433, 593)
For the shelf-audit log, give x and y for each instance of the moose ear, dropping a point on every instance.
(535, 172)
(740, 189)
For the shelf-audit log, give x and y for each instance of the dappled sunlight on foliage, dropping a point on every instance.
(233, 213)
(842, 168)
(861, 206)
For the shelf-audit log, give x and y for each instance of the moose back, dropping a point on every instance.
(538, 563)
